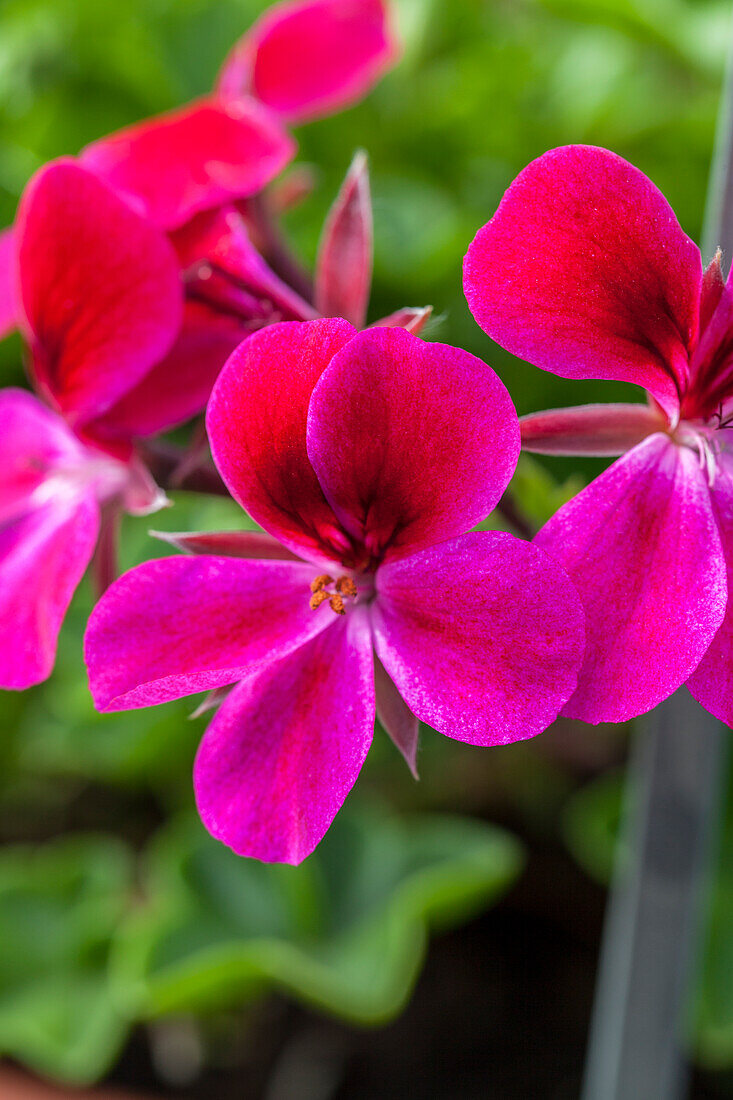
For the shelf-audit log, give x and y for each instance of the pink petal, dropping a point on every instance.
(412, 442)
(483, 636)
(584, 271)
(712, 681)
(344, 267)
(256, 422)
(413, 318)
(641, 545)
(43, 555)
(192, 159)
(33, 441)
(396, 717)
(179, 385)
(8, 276)
(590, 429)
(287, 745)
(231, 544)
(100, 289)
(307, 58)
(176, 626)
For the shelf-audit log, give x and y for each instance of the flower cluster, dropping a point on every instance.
(149, 280)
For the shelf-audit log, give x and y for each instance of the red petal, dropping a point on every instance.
(584, 271)
(256, 423)
(641, 546)
(311, 57)
(100, 289)
(180, 625)
(287, 746)
(179, 386)
(192, 159)
(412, 442)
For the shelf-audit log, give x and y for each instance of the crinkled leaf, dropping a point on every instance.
(59, 904)
(346, 931)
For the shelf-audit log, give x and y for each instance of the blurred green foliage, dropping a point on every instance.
(346, 931)
(483, 87)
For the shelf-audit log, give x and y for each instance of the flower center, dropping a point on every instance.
(708, 440)
(325, 588)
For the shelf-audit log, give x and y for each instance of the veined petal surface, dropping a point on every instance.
(641, 545)
(287, 745)
(256, 421)
(483, 636)
(412, 442)
(176, 626)
(585, 272)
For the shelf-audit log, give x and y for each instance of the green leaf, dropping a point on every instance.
(59, 905)
(346, 931)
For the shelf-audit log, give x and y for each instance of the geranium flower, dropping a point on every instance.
(300, 60)
(307, 58)
(366, 457)
(100, 296)
(191, 171)
(585, 271)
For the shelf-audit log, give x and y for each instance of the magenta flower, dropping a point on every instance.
(99, 293)
(306, 58)
(585, 271)
(300, 60)
(366, 457)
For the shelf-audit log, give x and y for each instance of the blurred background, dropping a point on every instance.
(442, 941)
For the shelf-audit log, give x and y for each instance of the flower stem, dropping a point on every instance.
(171, 469)
(656, 905)
(656, 909)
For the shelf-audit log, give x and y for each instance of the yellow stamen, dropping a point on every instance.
(320, 582)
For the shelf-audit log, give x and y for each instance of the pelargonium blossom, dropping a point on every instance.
(307, 58)
(192, 172)
(302, 59)
(99, 294)
(585, 271)
(366, 457)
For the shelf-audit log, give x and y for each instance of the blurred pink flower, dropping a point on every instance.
(193, 171)
(585, 271)
(99, 297)
(303, 58)
(308, 58)
(366, 457)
